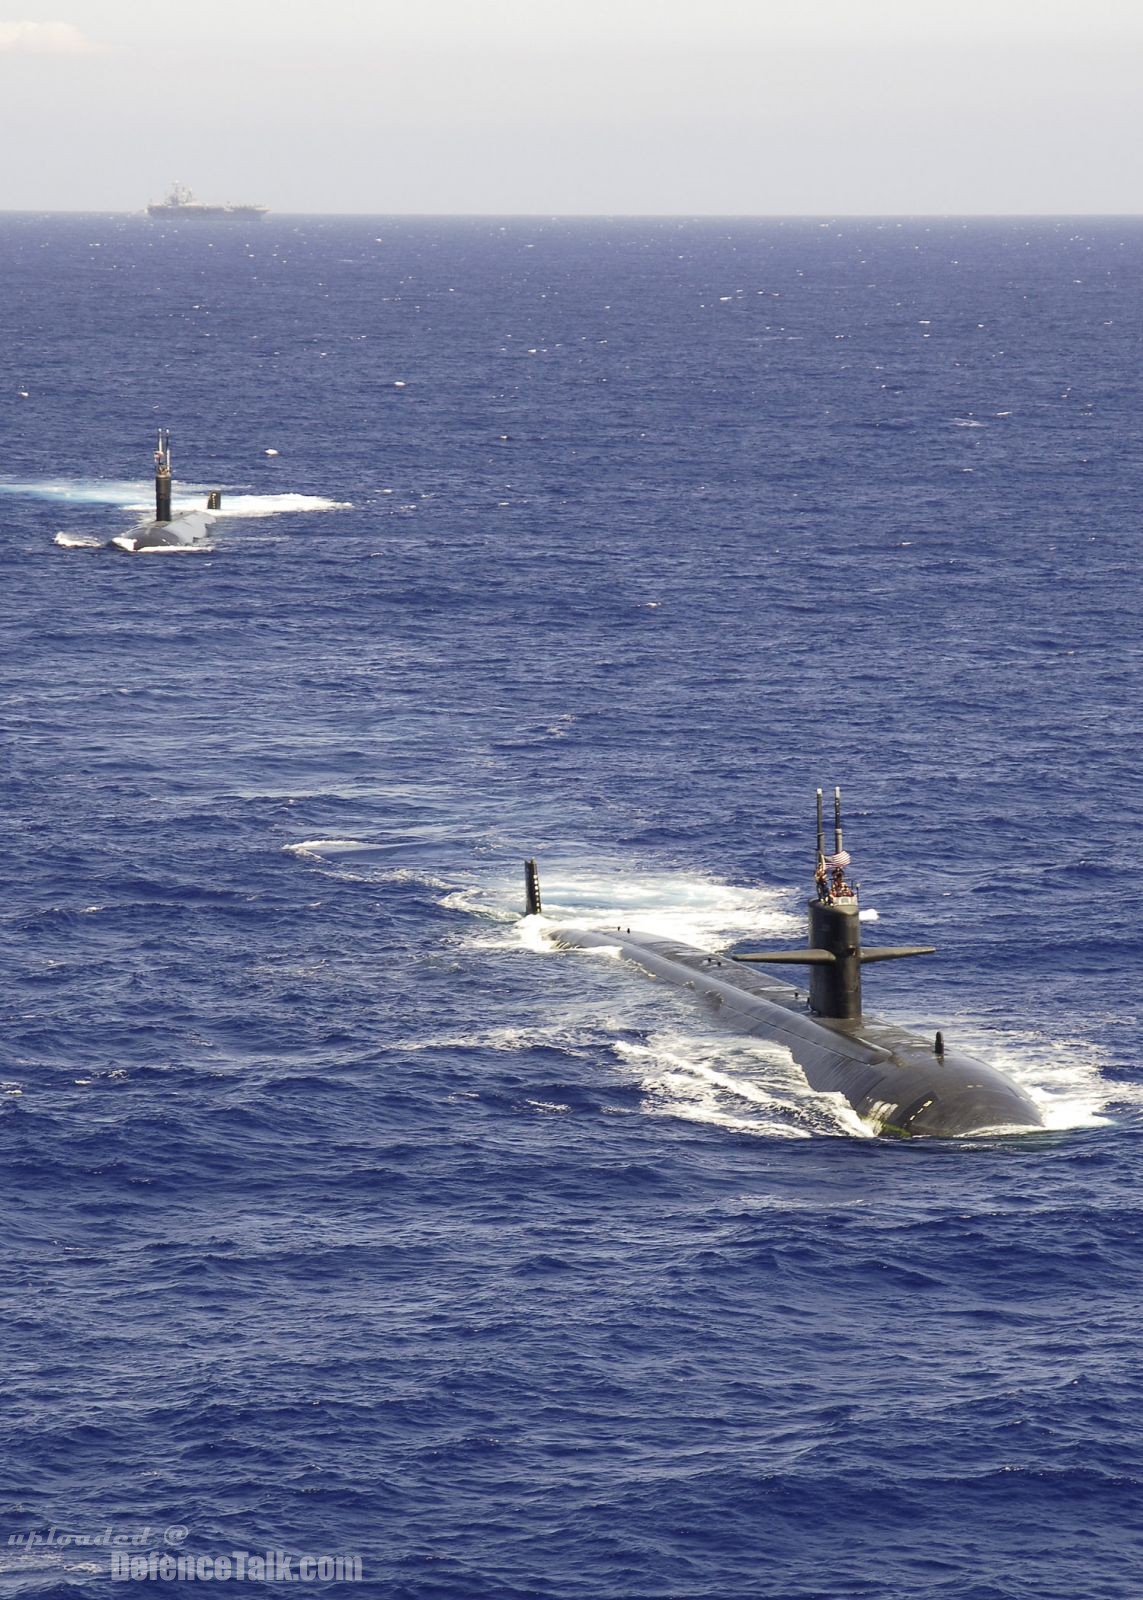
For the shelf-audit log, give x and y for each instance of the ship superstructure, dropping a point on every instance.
(181, 205)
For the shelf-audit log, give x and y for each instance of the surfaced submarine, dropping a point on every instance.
(182, 531)
(898, 1083)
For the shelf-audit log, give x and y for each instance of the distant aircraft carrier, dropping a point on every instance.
(181, 203)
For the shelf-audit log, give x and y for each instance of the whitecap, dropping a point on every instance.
(77, 541)
(323, 847)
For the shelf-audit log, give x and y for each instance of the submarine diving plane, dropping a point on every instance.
(897, 1082)
(185, 530)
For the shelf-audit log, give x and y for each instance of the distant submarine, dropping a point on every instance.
(185, 529)
(898, 1083)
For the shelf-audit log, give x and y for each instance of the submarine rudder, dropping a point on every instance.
(532, 901)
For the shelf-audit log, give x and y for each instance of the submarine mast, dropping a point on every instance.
(163, 476)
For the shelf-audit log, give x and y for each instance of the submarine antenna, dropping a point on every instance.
(820, 878)
(837, 844)
(163, 477)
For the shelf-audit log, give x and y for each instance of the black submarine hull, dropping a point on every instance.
(186, 530)
(894, 1080)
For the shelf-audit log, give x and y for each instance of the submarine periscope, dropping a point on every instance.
(899, 1083)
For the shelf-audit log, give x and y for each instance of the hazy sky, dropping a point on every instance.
(620, 106)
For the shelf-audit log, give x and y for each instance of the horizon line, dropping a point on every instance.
(621, 216)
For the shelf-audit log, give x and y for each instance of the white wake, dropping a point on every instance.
(138, 496)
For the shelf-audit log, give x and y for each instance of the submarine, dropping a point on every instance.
(899, 1083)
(185, 530)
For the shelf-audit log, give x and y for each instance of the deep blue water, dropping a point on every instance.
(344, 1215)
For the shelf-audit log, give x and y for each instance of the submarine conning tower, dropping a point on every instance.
(834, 954)
(163, 477)
(163, 481)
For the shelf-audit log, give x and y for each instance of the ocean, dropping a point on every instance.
(347, 1216)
